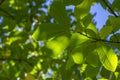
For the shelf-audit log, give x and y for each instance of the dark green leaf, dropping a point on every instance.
(49, 30)
(105, 73)
(91, 71)
(70, 62)
(92, 59)
(57, 11)
(111, 26)
(115, 38)
(71, 2)
(77, 39)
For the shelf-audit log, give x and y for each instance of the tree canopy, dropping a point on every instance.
(43, 40)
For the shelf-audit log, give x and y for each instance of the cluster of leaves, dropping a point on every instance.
(40, 41)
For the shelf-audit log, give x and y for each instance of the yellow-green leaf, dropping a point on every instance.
(58, 45)
(83, 9)
(107, 57)
(77, 57)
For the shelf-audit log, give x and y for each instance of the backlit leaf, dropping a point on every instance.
(58, 45)
(82, 9)
(78, 57)
(107, 57)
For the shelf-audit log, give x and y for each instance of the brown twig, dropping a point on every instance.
(100, 40)
(112, 11)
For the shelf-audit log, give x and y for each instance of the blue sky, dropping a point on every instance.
(101, 14)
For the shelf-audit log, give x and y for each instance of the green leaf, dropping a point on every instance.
(16, 49)
(92, 27)
(87, 20)
(107, 57)
(11, 24)
(114, 22)
(91, 71)
(115, 38)
(117, 75)
(105, 73)
(36, 34)
(80, 52)
(29, 77)
(105, 31)
(91, 33)
(77, 39)
(112, 25)
(82, 9)
(70, 62)
(71, 2)
(115, 5)
(57, 11)
(58, 45)
(79, 27)
(92, 59)
(48, 30)
(78, 57)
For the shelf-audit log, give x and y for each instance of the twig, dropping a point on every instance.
(6, 12)
(112, 11)
(101, 40)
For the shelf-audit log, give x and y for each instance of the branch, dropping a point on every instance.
(6, 12)
(112, 11)
(101, 40)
